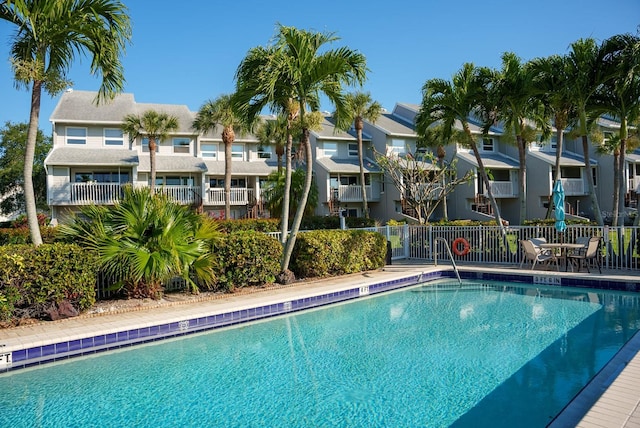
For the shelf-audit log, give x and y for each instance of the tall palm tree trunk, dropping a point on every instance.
(286, 197)
(365, 205)
(152, 163)
(297, 220)
(522, 177)
(29, 194)
(227, 180)
(485, 179)
(595, 206)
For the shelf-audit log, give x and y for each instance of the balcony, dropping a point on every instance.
(502, 189)
(239, 196)
(95, 193)
(182, 194)
(352, 193)
(573, 186)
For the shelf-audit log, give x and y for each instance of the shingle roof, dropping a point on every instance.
(490, 160)
(177, 163)
(567, 158)
(71, 156)
(80, 106)
(394, 125)
(330, 132)
(257, 168)
(182, 112)
(347, 166)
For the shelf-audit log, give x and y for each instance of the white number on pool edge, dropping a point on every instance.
(552, 280)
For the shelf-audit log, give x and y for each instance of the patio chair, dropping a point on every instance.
(535, 255)
(536, 244)
(585, 256)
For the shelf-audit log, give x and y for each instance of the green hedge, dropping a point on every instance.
(259, 225)
(21, 235)
(336, 252)
(247, 258)
(35, 280)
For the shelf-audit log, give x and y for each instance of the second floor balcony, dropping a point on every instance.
(574, 186)
(353, 193)
(502, 189)
(238, 196)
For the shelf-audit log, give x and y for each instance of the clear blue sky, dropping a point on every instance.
(187, 52)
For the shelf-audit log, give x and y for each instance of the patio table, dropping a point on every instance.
(563, 247)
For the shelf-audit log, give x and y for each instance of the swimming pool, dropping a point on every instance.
(485, 354)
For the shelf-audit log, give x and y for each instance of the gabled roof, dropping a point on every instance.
(490, 160)
(567, 158)
(330, 132)
(177, 163)
(348, 166)
(80, 107)
(182, 112)
(74, 156)
(395, 126)
(253, 168)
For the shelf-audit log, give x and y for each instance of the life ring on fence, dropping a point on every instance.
(457, 249)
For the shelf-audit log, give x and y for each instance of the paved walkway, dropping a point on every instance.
(617, 406)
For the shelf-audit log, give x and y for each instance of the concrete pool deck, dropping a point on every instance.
(612, 399)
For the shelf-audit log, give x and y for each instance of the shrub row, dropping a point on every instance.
(246, 258)
(37, 282)
(336, 252)
(259, 225)
(21, 235)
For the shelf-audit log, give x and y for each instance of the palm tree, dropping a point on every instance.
(516, 105)
(145, 240)
(551, 87)
(361, 107)
(620, 97)
(274, 131)
(585, 66)
(454, 102)
(275, 194)
(221, 111)
(153, 125)
(294, 68)
(49, 35)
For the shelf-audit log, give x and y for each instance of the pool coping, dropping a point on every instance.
(20, 352)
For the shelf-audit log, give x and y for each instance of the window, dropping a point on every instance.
(171, 180)
(398, 147)
(264, 152)
(237, 151)
(76, 135)
(348, 181)
(181, 145)
(145, 145)
(487, 145)
(216, 182)
(209, 150)
(501, 175)
(353, 149)
(113, 137)
(102, 177)
(571, 172)
(330, 149)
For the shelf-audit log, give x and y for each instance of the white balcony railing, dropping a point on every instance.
(573, 186)
(501, 189)
(351, 193)
(181, 194)
(238, 196)
(634, 183)
(95, 193)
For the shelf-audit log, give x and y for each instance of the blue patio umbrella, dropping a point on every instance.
(558, 201)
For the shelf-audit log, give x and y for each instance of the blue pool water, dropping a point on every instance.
(485, 354)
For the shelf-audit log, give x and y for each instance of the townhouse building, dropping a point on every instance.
(92, 158)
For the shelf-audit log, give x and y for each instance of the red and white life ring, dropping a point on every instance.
(460, 247)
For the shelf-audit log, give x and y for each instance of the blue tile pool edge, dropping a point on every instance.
(28, 357)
